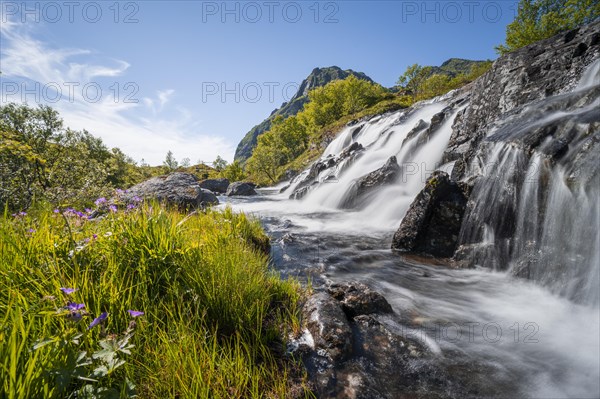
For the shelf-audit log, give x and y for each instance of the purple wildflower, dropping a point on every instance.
(94, 236)
(130, 206)
(136, 199)
(113, 208)
(100, 201)
(98, 320)
(56, 210)
(119, 191)
(74, 307)
(88, 210)
(31, 231)
(135, 313)
(86, 240)
(68, 291)
(22, 213)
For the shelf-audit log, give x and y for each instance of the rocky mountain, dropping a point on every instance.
(318, 77)
(455, 66)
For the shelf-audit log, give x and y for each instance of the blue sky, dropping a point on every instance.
(193, 77)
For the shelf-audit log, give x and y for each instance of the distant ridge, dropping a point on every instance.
(318, 77)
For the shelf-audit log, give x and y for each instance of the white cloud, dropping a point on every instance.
(136, 128)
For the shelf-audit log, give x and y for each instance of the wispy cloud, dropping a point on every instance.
(144, 130)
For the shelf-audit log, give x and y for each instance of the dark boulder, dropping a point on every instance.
(215, 185)
(433, 221)
(240, 189)
(177, 189)
(358, 299)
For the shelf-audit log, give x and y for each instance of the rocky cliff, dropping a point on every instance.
(318, 77)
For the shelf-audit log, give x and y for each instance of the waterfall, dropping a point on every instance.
(534, 210)
(412, 136)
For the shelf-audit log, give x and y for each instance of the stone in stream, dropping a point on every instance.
(350, 352)
(358, 299)
(240, 189)
(215, 185)
(365, 185)
(433, 221)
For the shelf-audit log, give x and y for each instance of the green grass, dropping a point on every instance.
(215, 323)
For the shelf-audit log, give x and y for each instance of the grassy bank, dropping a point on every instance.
(214, 318)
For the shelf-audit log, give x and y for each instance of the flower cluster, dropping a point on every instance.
(76, 311)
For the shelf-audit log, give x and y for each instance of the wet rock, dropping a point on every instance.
(177, 189)
(358, 299)
(369, 355)
(350, 153)
(548, 67)
(328, 325)
(215, 185)
(433, 221)
(387, 174)
(289, 174)
(240, 189)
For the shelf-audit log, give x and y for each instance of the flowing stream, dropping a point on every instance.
(535, 337)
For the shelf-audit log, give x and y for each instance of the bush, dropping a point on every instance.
(39, 158)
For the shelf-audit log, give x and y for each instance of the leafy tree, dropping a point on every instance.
(540, 19)
(233, 172)
(219, 164)
(170, 162)
(412, 79)
(41, 159)
(186, 162)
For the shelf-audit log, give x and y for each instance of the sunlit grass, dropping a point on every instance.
(215, 318)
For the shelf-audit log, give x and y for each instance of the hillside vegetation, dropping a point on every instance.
(292, 143)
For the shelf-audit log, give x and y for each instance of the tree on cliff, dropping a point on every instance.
(540, 19)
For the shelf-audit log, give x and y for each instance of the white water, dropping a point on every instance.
(550, 344)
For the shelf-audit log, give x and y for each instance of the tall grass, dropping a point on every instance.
(215, 318)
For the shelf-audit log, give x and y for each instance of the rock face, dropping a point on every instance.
(318, 77)
(240, 189)
(177, 189)
(215, 185)
(549, 67)
(502, 120)
(433, 221)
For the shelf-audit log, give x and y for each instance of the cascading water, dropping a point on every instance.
(533, 212)
(541, 171)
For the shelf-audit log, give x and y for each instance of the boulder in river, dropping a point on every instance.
(215, 185)
(363, 186)
(240, 189)
(177, 189)
(433, 221)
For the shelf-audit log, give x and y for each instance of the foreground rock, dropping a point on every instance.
(240, 189)
(432, 224)
(215, 185)
(350, 350)
(177, 189)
